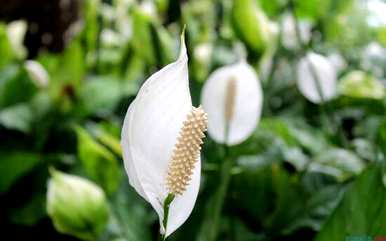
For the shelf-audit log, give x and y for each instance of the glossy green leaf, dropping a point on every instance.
(14, 165)
(362, 210)
(99, 163)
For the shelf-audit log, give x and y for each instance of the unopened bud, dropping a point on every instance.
(76, 206)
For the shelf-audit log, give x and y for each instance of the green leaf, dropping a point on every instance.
(17, 117)
(13, 79)
(14, 165)
(251, 24)
(381, 136)
(32, 212)
(210, 227)
(99, 95)
(99, 163)
(130, 217)
(313, 9)
(91, 29)
(362, 210)
(23, 116)
(5, 47)
(339, 163)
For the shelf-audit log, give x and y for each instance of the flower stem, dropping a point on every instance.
(211, 221)
(169, 199)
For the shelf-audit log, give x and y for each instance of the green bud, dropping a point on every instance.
(76, 206)
(251, 24)
(359, 84)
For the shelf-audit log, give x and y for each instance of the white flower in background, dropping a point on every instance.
(289, 38)
(107, 12)
(16, 31)
(76, 205)
(111, 38)
(149, 8)
(316, 65)
(161, 138)
(232, 96)
(37, 73)
(203, 52)
(377, 9)
(123, 18)
(374, 59)
(337, 61)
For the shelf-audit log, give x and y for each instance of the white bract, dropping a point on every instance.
(232, 96)
(374, 59)
(377, 9)
(37, 73)
(337, 61)
(315, 65)
(159, 130)
(289, 38)
(16, 31)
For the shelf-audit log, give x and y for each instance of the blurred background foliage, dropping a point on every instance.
(309, 172)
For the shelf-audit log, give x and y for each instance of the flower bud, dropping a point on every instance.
(251, 24)
(76, 206)
(359, 84)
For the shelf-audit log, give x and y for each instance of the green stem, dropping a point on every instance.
(225, 176)
(169, 199)
(211, 220)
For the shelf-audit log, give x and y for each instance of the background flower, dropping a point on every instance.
(313, 70)
(239, 80)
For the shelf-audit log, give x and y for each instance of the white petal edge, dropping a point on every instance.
(149, 133)
(326, 74)
(182, 205)
(37, 73)
(248, 102)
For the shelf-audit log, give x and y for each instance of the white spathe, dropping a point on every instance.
(16, 31)
(247, 103)
(319, 65)
(37, 73)
(150, 130)
(289, 38)
(337, 61)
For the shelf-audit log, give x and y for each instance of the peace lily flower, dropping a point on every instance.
(323, 87)
(233, 98)
(289, 38)
(37, 73)
(161, 138)
(16, 31)
(337, 61)
(373, 59)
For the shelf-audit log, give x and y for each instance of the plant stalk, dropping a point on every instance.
(169, 199)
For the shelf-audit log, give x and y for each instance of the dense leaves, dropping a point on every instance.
(308, 171)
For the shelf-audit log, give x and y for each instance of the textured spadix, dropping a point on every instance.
(318, 65)
(186, 151)
(233, 95)
(150, 133)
